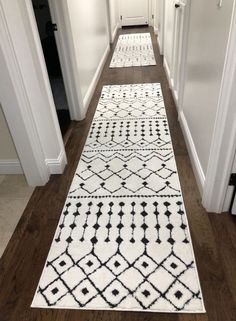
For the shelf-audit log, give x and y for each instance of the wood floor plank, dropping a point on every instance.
(214, 236)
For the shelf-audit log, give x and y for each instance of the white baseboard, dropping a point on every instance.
(57, 166)
(10, 166)
(155, 30)
(170, 81)
(167, 70)
(159, 45)
(96, 77)
(197, 168)
(115, 32)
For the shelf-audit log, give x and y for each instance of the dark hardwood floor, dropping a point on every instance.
(214, 236)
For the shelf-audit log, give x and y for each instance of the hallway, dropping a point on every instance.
(26, 253)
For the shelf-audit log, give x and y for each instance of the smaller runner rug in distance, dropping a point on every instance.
(123, 240)
(133, 50)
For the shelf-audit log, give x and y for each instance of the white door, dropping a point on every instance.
(60, 16)
(175, 41)
(134, 12)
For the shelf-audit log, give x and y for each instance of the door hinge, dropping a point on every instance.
(152, 16)
(232, 179)
(121, 17)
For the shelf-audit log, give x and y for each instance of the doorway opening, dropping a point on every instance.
(46, 32)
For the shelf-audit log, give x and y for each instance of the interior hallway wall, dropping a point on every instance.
(207, 44)
(91, 40)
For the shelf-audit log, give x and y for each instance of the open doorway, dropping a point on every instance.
(46, 30)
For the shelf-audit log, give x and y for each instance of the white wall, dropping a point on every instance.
(91, 41)
(7, 148)
(207, 41)
(114, 17)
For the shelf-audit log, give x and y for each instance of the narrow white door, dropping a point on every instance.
(178, 48)
(175, 41)
(134, 12)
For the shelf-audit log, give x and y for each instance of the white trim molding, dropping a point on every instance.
(10, 166)
(156, 32)
(167, 70)
(56, 166)
(197, 168)
(20, 118)
(224, 136)
(26, 100)
(89, 94)
(115, 32)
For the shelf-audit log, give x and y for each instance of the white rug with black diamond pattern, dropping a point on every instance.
(133, 50)
(123, 240)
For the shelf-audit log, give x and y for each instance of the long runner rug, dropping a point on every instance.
(133, 50)
(123, 240)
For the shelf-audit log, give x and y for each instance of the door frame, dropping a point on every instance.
(223, 145)
(60, 15)
(24, 91)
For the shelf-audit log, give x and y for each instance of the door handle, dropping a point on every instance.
(180, 4)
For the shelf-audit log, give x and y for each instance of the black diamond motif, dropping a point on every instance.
(143, 213)
(54, 291)
(145, 240)
(115, 292)
(94, 240)
(117, 264)
(62, 263)
(171, 241)
(170, 226)
(168, 213)
(72, 226)
(96, 226)
(178, 295)
(89, 263)
(145, 265)
(69, 239)
(120, 225)
(85, 291)
(119, 240)
(144, 226)
(146, 293)
(173, 265)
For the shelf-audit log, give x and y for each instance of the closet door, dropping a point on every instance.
(176, 24)
(134, 12)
